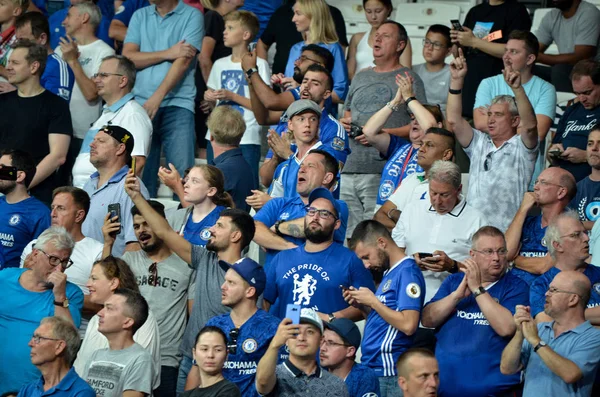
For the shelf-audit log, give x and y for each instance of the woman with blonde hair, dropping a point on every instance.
(313, 20)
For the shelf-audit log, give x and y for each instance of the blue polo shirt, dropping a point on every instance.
(111, 192)
(313, 279)
(581, 345)
(468, 348)
(252, 343)
(280, 208)
(239, 180)
(541, 284)
(402, 161)
(153, 33)
(70, 385)
(532, 245)
(402, 288)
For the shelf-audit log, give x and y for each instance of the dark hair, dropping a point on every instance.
(367, 232)
(401, 366)
(156, 206)
(23, 162)
(331, 164)
(126, 67)
(532, 45)
(323, 53)
(37, 21)
(211, 329)
(215, 178)
(80, 196)
(586, 67)
(35, 53)
(450, 138)
(243, 222)
(117, 268)
(402, 35)
(386, 3)
(137, 307)
(443, 30)
(315, 67)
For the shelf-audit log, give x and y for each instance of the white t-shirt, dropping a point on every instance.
(129, 115)
(229, 75)
(414, 187)
(83, 113)
(147, 336)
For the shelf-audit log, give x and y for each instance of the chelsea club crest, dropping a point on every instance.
(249, 346)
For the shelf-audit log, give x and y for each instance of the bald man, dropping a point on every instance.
(418, 373)
(561, 357)
(553, 191)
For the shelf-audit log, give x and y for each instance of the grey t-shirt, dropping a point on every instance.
(111, 372)
(436, 84)
(167, 297)
(207, 299)
(369, 92)
(581, 29)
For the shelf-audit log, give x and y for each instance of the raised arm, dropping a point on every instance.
(462, 129)
(528, 126)
(269, 98)
(70, 53)
(266, 380)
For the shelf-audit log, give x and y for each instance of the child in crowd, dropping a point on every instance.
(227, 84)
(9, 11)
(435, 72)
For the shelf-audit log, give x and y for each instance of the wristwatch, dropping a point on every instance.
(279, 222)
(539, 346)
(250, 72)
(331, 317)
(64, 303)
(410, 99)
(479, 291)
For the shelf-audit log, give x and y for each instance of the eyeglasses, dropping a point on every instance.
(303, 58)
(153, 269)
(487, 164)
(490, 252)
(554, 290)
(545, 183)
(37, 338)
(233, 337)
(330, 343)
(104, 75)
(323, 214)
(55, 260)
(436, 44)
(576, 235)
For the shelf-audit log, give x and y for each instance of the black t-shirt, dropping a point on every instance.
(25, 124)
(215, 26)
(282, 30)
(484, 19)
(223, 388)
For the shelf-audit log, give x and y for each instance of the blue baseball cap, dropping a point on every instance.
(346, 329)
(322, 192)
(251, 272)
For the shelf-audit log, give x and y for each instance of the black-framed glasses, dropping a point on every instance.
(37, 339)
(490, 252)
(487, 164)
(232, 343)
(323, 214)
(104, 75)
(55, 260)
(153, 269)
(436, 44)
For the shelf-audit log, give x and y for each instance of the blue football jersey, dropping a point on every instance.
(199, 233)
(468, 348)
(402, 288)
(362, 382)
(58, 78)
(532, 245)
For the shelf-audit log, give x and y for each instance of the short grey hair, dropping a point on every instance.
(508, 99)
(552, 234)
(64, 330)
(58, 236)
(444, 171)
(87, 7)
(126, 67)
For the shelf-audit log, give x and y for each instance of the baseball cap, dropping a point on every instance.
(309, 316)
(251, 272)
(346, 329)
(121, 135)
(302, 105)
(322, 192)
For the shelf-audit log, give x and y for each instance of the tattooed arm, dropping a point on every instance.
(293, 228)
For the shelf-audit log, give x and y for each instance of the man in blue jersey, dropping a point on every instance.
(58, 78)
(553, 190)
(22, 217)
(314, 274)
(472, 312)
(393, 312)
(418, 373)
(249, 328)
(280, 223)
(561, 357)
(587, 199)
(568, 245)
(340, 342)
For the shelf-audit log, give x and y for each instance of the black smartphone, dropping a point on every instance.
(251, 47)
(424, 255)
(8, 173)
(115, 210)
(456, 25)
(555, 153)
(355, 130)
